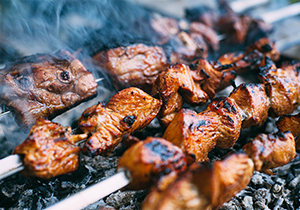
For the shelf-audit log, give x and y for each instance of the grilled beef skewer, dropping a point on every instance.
(196, 134)
(50, 149)
(202, 185)
(45, 85)
(255, 117)
(247, 105)
(208, 186)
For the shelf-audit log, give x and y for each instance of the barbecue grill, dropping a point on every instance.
(74, 29)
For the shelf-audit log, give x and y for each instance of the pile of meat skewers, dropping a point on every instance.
(194, 82)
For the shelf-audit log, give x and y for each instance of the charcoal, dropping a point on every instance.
(257, 180)
(276, 190)
(294, 182)
(121, 199)
(233, 204)
(260, 205)
(278, 203)
(247, 202)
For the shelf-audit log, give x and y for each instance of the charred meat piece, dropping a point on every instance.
(174, 84)
(271, 150)
(290, 123)
(211, 79)
(188, 47)
(165, 27)
(253, 103)
(230, 121)
(253, 58)
(267, 47)
(196, 134)
(134, 65)
(150, 159)
(127, 111)
(202, 14)
(207, 32)
(45, 85)
(204, 186)
(231, 24)
(241, 62)
(49, 150)
(282, 87)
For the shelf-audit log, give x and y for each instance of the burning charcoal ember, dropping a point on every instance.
(134, 65)
(127, 111)
(45, 85)
(49, 150)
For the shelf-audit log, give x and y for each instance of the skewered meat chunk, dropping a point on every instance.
(220, 124)
(253, 58)
(232, 24)
(241, 61)
(45, 85)
(230, 121)
(134, 65)
(282, 86)
(49, 150)
(253, 102)
(271, 150)
(267, 47)
(196, 134)
(189, 46)
(127, 111)
(150, 159)
(165, 27)
(174, 84)
(207, 32)
(211, 79)
(204, 186)
(290, 123)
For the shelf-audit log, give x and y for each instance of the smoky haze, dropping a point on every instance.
(81, 27)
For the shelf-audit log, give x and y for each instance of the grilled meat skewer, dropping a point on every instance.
(142, 165)
(209, 185)
(179, 83)
(247, 105)
(202, 185)
(127, 111)
(45, 85)
(50, 149)
(196, 134)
